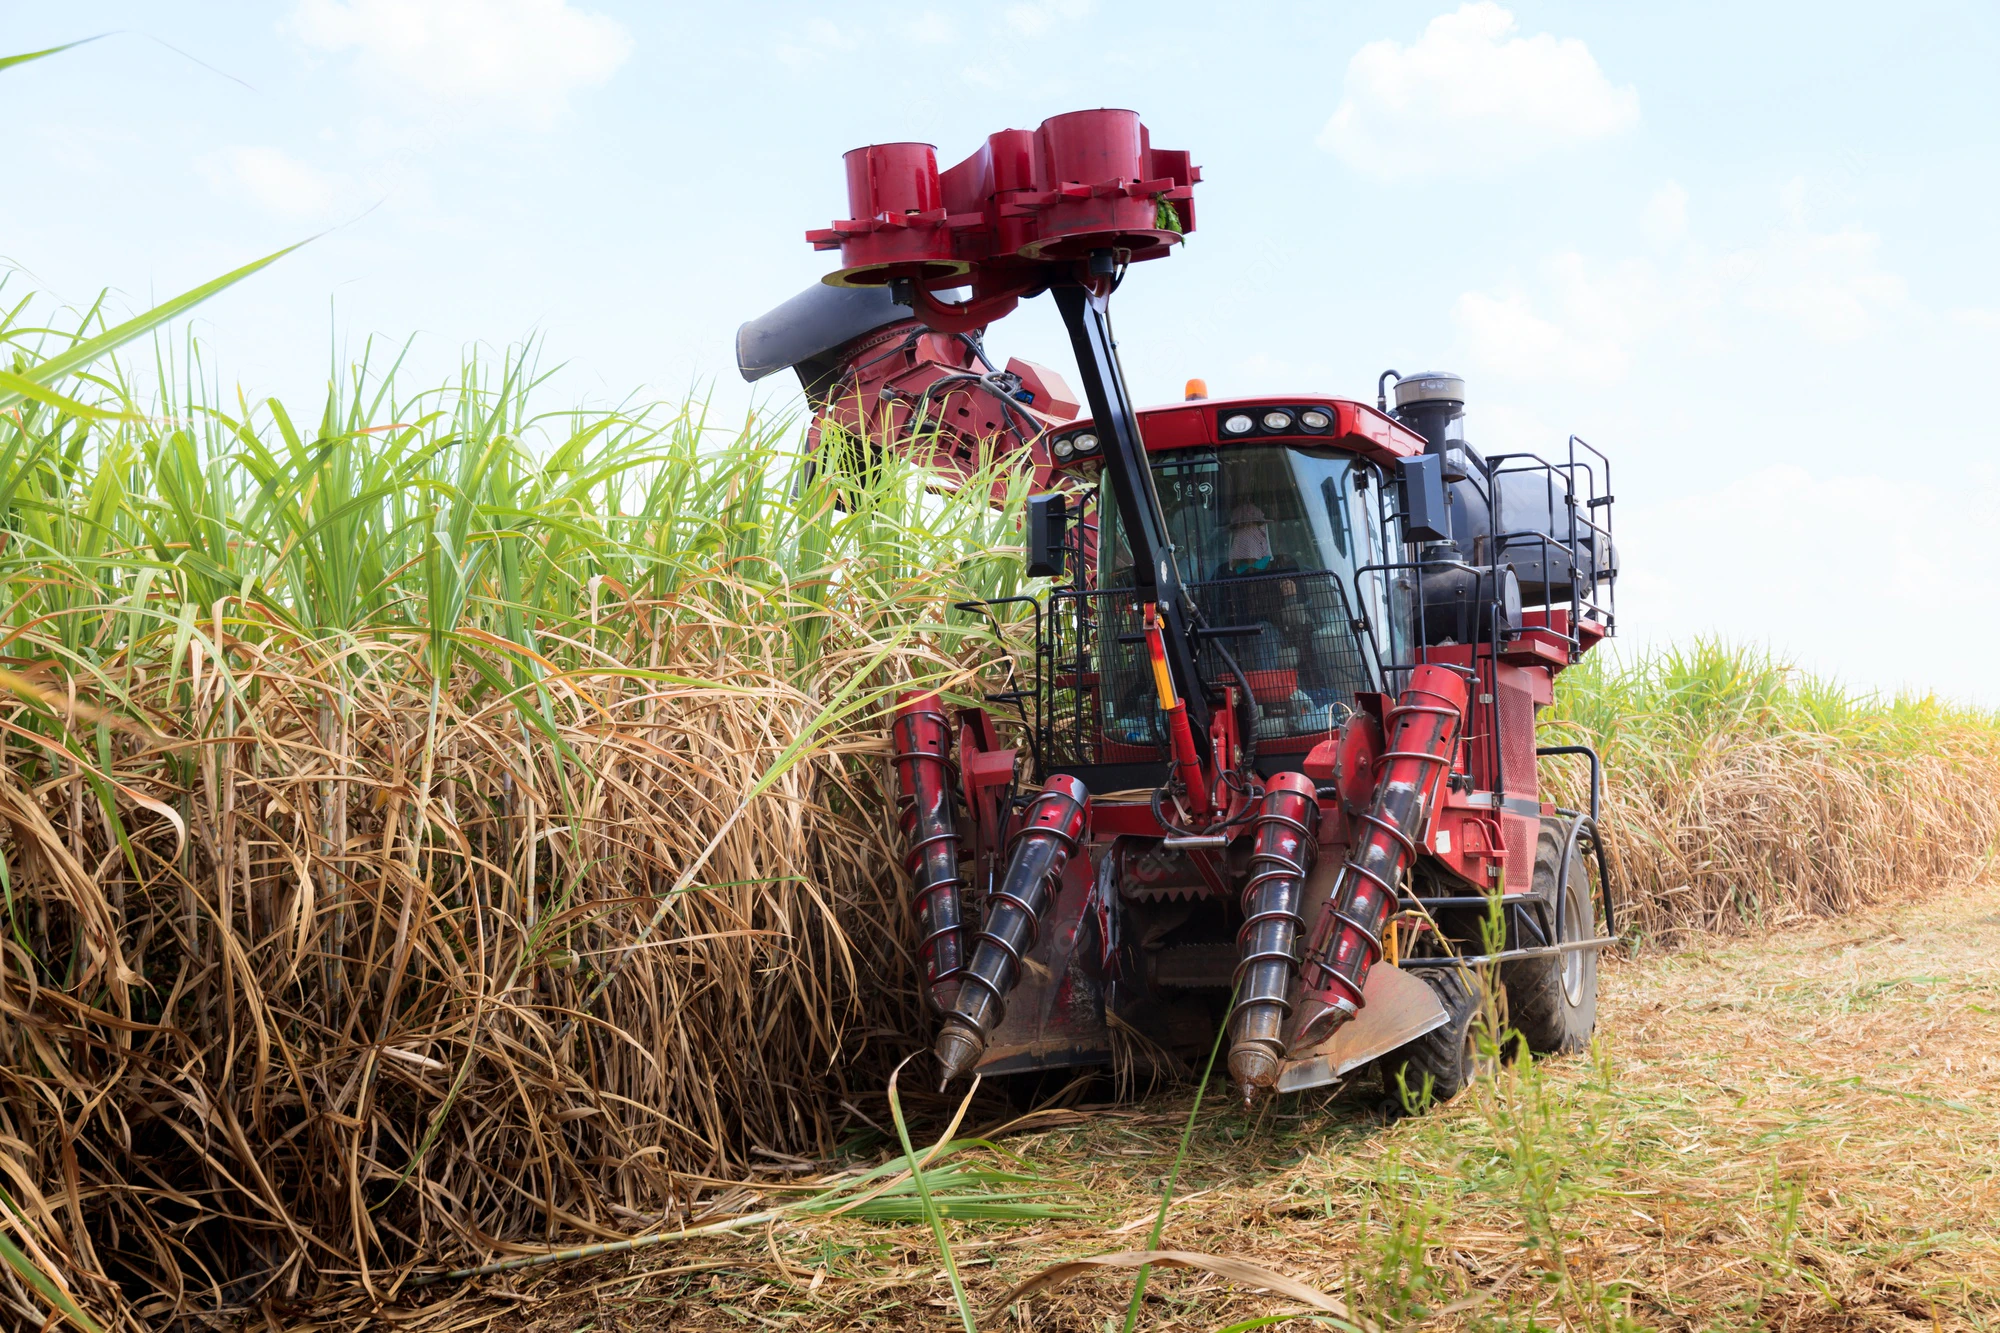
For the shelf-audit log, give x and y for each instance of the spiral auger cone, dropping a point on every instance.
(922, 745)
(1347, 938)
(1039, 853)
(1284, 847)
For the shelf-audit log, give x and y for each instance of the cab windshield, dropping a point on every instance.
(1271, 540)
(1255, 509)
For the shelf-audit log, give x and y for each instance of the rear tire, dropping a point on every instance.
(1552, 1001)
(1447, 1057)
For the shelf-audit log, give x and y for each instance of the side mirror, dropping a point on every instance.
(1048, 534)
(1426, 507)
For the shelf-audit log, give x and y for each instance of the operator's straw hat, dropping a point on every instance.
(1249, 535)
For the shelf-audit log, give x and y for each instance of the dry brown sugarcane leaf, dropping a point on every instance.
(1224, 1266)
(63, 702)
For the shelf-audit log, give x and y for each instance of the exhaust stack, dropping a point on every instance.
(1432, 404)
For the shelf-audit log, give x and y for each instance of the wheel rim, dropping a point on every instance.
(1577, 925)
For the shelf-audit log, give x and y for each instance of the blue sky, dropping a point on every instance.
(1749, 250)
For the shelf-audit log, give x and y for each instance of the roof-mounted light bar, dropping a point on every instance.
(1235, 423)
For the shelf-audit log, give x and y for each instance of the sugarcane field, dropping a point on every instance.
(622, 707)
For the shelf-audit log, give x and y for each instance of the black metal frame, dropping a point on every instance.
(1578, 474)
(1596, 809)
(1582, 825)
(1034, 727)
(1086, 314)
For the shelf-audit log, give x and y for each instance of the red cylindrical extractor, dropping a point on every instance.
(1087, 159)
(1012, 153)
(892, 178)
(1076, 184)
(898, 223)
(1090, 146)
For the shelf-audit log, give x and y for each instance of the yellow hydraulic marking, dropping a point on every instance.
(1156, 646)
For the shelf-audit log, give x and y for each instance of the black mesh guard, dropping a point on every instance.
(1304, 663)
(1301, 653)
(1103, 708)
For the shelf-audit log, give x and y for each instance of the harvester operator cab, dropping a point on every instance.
(1273, 537)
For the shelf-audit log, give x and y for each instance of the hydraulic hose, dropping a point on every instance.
(1283, 850)
(1347, 938)
(1039, 851)
(921, 735)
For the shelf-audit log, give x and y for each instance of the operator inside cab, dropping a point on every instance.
(1250, 545)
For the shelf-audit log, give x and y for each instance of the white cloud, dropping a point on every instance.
(1469, 95)
(1828, 283)
(521, 59)
(1583, 321)
(1506, 335)
(1505, 428)
(1666, 217)
(273, 180)
(1588, 318)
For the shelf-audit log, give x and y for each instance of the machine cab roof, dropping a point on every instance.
(1306, 419)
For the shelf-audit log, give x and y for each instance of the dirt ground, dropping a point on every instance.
(1797, 1132)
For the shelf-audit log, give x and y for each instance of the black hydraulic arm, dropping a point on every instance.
(1087, 316)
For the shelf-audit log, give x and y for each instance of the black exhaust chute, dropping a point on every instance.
(805, 331)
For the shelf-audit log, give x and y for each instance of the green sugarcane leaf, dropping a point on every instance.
(27, 388)
(31, 1273)
(927, 1204)
(23, 59)
(81, 355)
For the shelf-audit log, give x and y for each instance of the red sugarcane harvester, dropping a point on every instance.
(1275, 766)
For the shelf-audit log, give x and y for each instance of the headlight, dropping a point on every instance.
(1314, 420)
(1239, 424)
(1277, 421)
(1086, 442)
(1064, 448)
